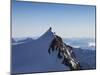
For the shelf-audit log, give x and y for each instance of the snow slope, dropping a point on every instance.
(32, 56)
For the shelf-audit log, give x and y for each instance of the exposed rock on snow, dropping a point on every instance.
(33, 56)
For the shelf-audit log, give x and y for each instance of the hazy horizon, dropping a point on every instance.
(36, 37)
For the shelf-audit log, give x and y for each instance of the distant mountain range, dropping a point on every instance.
(84, 43)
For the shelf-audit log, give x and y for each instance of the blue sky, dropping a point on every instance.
(31, 19)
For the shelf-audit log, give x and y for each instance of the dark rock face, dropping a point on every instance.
(65, 52)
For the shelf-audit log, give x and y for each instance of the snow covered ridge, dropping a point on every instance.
(29, 55)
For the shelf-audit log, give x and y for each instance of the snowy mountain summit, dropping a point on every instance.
(32, 56)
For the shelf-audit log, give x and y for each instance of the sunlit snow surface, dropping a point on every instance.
(32, 56)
